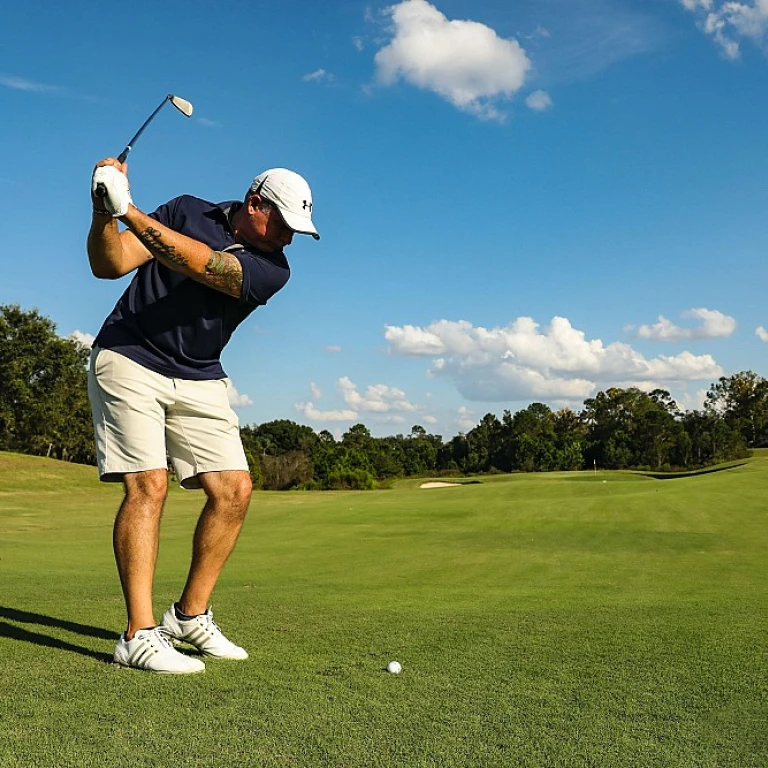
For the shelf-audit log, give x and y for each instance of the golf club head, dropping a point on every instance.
(182, 105)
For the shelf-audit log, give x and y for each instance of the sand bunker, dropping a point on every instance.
(437, 485)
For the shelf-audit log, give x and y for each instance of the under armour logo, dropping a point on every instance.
(306, 205)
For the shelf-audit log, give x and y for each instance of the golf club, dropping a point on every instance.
(184, 106)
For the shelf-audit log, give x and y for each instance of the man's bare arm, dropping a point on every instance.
(216, 269)
(111, 253)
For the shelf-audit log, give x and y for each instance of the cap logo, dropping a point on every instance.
(306, 205)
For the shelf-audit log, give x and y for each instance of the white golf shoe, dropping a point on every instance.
(203, 633)
(151, 650)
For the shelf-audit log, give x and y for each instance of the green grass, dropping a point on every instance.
(581, 619)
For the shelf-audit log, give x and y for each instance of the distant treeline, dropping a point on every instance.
(44, 411)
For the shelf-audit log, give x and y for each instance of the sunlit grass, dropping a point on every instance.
(584, 619)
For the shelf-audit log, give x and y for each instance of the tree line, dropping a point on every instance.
(44, 411)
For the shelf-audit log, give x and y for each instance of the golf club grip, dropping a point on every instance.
(101, 190)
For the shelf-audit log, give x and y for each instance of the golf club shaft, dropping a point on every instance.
(181, 104)
(121, 157)
(100, 190)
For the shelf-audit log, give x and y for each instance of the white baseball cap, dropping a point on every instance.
(292, 196)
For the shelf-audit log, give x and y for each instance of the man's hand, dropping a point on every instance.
(110, 189)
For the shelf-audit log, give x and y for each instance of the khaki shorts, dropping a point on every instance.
(142, 419)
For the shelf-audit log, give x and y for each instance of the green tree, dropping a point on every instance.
(570, 434)
(483, 444)
(528, 440)
(44, 405)
(742, 401)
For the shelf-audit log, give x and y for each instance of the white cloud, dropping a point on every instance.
(22, 84)
(315, 414)
(465, 62)
(382, 402)
(377, 398)
(761, 333)
(714, 324)
(539, 101)
(465, 419)
(728, 22)
(86, 339)
(318, 76)
(693, 5)
(332, 348)
(30, 86)
(692, 402)
(520, 362)
(236, 400)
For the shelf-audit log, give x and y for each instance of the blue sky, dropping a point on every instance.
(518, 201)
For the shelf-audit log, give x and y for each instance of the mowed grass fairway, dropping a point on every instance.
(572, 620)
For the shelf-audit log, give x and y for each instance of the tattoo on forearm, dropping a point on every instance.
(224, 272)
(153, 239)
(217, 263)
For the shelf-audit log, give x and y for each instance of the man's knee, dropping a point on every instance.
(146, 487)
(232, 489)
(242, 489)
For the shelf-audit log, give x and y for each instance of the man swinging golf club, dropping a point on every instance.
(158, 390)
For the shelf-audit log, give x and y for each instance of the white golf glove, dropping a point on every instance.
(116, 190)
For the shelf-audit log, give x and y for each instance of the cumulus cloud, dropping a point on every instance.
(236, 400)
(377, 398)
(464, 62)
(692, 401)
(728, 23)
(86, 339)
(465, 419)
(383, 402)
(520, 361)
(311, 412)
(539, 101)
(318, 76)
(714, 325)
(761, 333)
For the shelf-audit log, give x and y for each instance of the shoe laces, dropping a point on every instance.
(163, 636)
(210, 624)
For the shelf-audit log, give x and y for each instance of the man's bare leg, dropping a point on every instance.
(135, 540)
(229, 494)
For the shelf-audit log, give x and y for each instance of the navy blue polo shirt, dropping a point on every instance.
(174, 325)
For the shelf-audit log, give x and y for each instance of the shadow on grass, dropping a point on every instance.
(13, 632)
(693, 472)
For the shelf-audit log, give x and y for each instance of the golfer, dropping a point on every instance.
(158, 391)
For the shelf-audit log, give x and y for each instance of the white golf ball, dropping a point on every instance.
(394, 667)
